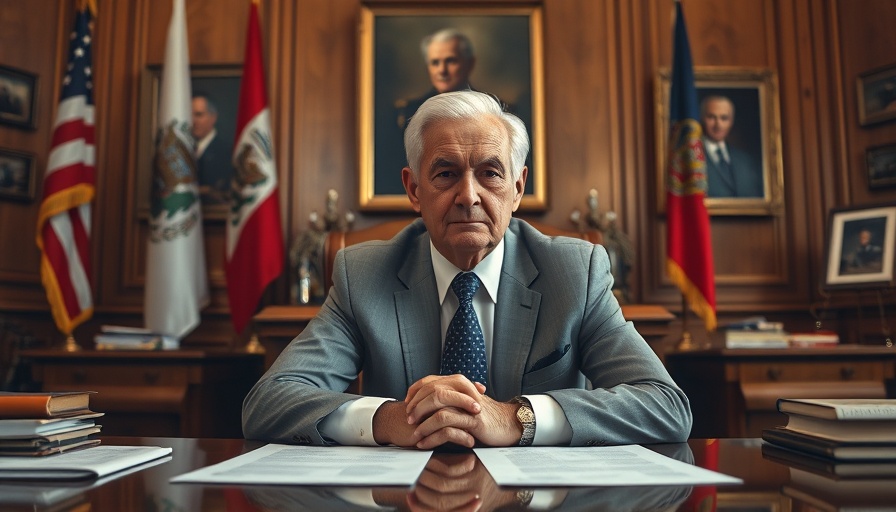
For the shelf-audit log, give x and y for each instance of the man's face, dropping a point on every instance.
(203, 120)
(864, 237)
(448, 69)
(466, 193)
(718, 117)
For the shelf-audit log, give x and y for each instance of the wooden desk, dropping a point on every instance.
(150, 489)
(176, 393)
(733, 392)
(278, 325)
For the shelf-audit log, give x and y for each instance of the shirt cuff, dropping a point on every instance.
(352, 423)
(551, 426)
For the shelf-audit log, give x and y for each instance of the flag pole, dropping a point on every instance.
(71, 345)
(686, 342)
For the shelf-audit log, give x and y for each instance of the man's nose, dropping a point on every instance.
(467, 190)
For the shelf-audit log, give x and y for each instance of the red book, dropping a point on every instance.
(44, 405)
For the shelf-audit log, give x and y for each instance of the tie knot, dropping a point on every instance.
(465, 285)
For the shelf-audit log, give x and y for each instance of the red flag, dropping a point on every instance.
(689, 249)
(254, 240)
(63, 224)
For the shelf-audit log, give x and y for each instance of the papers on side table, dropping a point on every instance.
(315, 465)
(598, 466)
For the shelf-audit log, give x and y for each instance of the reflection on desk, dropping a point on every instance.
(150, 489)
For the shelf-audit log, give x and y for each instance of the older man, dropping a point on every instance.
(471, 327)
(730, 171)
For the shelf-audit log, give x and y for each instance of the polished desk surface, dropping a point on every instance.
(444, 485)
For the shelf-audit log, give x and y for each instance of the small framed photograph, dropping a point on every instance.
(877, 95)
(17, 97)
(740, 119)
(489, 48)
(216, 91)
(861, 243)
(881, 162)
(16, 175)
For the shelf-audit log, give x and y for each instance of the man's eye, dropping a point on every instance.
(491, 173)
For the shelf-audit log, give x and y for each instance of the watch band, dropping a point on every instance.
(526, 416)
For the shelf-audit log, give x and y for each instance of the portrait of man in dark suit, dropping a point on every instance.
(732, 171)
(212, 151)
(417, 56)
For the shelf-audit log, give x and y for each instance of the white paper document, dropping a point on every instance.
(593, 466)
(88, 463)
(316, 465)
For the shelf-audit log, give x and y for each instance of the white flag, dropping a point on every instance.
(176, 281)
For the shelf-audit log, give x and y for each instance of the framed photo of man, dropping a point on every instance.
(861, 246)
(17, 97)
(740, 121)
(411, 52)
(216, 91)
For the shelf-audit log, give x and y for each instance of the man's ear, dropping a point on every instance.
(410, 187)
(520, 187)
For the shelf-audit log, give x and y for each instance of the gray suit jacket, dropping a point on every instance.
(556, 325)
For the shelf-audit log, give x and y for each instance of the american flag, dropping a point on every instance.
(63, 226)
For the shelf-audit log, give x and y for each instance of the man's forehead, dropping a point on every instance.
(479, 138)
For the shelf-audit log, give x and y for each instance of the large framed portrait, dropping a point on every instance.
(877, 95)
(739, 115)
(17, 97)
(217, 90)
(861, 243)
(498, 50)
(16, 175)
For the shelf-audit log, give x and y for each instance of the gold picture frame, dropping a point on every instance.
(221, 84)
(756, 134)
(507, 43)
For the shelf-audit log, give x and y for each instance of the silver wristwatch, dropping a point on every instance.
(526, 416)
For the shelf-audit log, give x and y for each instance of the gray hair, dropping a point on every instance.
(209, 104)
(465, 105)
(447, 34)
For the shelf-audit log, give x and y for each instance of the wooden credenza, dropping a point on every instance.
(733, 393)
(178, 393)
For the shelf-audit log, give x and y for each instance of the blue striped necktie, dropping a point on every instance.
(464, 344)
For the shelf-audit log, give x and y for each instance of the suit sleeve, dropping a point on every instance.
(633, 398)
(308, 379)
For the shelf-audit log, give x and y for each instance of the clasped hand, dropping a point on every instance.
(446, 409)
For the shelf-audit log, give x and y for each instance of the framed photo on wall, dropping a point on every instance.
(881, 161)
(17, 97)
(16, 175)
(861, 243)
(739, 115)
(394, 79)
(877, 95)
(219, 87)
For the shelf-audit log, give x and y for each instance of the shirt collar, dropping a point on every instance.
(202, 144)
(488, 270)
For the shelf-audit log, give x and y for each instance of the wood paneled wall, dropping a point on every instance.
(601, 61)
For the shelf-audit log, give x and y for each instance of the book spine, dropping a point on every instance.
(24, 407)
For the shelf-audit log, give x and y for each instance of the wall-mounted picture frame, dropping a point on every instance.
(18, 91)
(16, 175)
(394, 80)
(881, 163)
(219, 86)
(876, 91)
(861, 246)
(739, 106)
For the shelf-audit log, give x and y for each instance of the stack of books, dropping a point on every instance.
(756, 332)
(841, 438)
(119, 337)
(37, 424)
(814, 339)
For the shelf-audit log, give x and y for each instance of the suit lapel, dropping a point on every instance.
(418, 313)
(515, 318)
